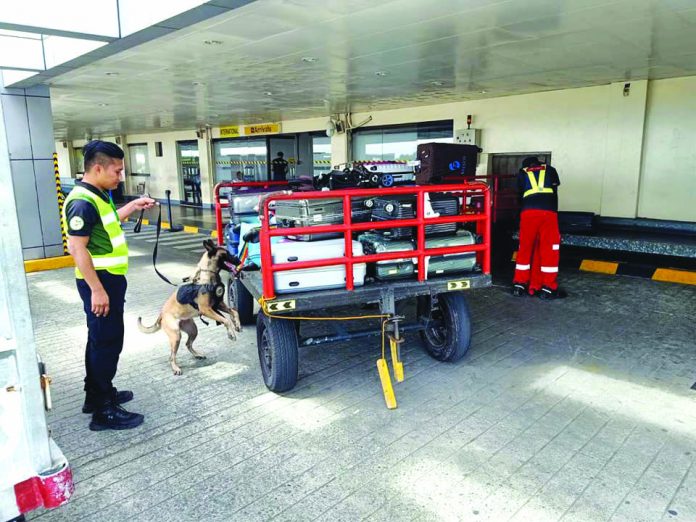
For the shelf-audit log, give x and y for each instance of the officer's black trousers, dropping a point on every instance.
(104, 338)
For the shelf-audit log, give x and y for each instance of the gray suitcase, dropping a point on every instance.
(307, 213)
(393, 269)
(451, 263)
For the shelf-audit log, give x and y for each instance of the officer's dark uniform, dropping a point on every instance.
(105, 334)
(279, 167)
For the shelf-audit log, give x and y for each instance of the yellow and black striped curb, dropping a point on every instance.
(61, 201)
(666, 275)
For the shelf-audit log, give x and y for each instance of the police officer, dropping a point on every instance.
(279, 167)
(536, 268)
(98, 246)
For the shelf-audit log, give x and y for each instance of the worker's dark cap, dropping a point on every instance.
(530, 161)
(107, 148)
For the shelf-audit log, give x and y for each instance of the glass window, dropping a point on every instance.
(139, 160)
(321, 154)
(398, 142)
(240, 158)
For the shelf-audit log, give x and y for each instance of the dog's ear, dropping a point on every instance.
(210, 247)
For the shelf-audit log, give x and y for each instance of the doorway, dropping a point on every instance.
(288, 146)
(189, 173)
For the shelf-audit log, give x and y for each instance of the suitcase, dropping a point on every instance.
(451, 263)
(440, 160)
(445, 205)
(309, 212)
(232, 238)
(395, 207)
(289, 251)
(308, 279)
(243, 207)
(361, 209)
(393, 269)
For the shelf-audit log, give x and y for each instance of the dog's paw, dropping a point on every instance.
(231, 336)
(200, 357)
(177, 371)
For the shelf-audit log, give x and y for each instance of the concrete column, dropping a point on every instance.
(340, 148)
(28, 124)
(621, 182)
(206, 164)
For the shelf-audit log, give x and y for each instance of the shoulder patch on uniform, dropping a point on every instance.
(76, 223)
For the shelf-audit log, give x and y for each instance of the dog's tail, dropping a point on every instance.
(150, 329)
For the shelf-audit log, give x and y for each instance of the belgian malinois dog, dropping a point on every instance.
(202, 296)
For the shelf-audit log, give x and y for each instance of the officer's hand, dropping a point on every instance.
(144, 203)
(100, 303)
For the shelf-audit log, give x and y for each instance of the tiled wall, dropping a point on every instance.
(29, 127)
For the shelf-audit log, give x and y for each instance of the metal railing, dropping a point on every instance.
(219, 205)
(482, 218)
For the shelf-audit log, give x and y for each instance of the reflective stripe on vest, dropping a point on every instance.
(115, 262)
(537, 188)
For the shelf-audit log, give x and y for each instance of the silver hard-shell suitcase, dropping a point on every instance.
(307, 213)
(322, 278)
(451, 263)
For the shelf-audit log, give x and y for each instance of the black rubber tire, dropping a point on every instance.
(239, 298)
(448, 337)
(276, 340)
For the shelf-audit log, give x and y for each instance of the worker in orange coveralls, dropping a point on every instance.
(536, 269)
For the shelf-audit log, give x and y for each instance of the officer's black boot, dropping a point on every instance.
(120, 397)
(547, 293)
(111, 416)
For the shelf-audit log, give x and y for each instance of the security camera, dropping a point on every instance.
(330, 128)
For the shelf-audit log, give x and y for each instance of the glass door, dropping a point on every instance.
(189, 173)
(282, 148)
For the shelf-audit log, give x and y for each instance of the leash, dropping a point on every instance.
(138, 227)
(154, 250)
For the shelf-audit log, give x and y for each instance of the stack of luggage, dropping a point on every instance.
(403, 239)
(437, 164)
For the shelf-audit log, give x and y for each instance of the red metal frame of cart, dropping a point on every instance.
(237, 185)
(481, 218)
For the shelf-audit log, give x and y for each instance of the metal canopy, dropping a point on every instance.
(289, 59)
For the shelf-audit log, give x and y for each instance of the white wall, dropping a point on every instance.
(622, 156)
(668, 176)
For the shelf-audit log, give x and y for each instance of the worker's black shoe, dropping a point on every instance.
(114, 417)
(547, 293)
(519, 290)
(120, 397)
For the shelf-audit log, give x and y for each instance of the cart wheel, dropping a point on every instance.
(447, 335)
(277, 343)
(239, 298)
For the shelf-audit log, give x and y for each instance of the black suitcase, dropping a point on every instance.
(402, 268)
(445, 205)
(445, 160)
(361, 209)
(391, 208)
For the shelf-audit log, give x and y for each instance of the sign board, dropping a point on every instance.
(230, 132)
(262, 128)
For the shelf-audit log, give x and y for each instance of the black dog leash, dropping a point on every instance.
(154, 251)
(138, 227)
